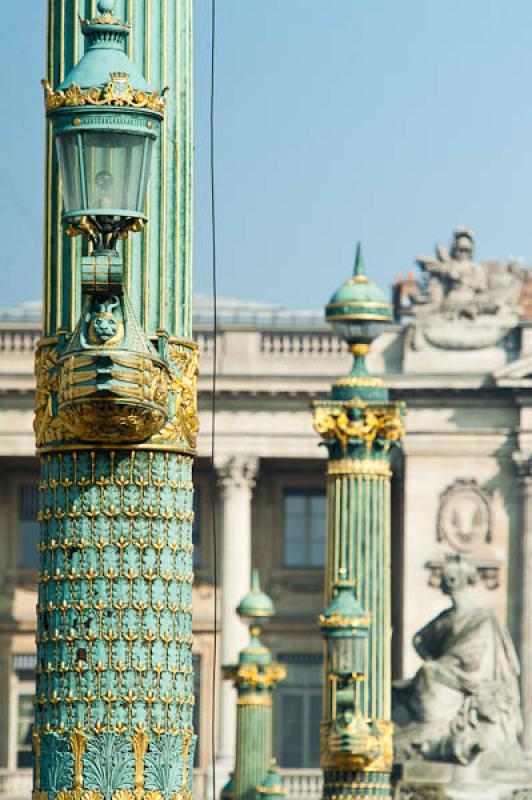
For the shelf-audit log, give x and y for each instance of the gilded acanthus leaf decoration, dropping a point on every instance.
(184, 423)
(113, 94)
(48, 424)
(57, 764)
(334, 423)
(109, 764)
(164, 765)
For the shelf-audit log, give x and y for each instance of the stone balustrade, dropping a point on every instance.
(303, 784)
(18, 337)
(240, 350)
(15, 784)
(300, 344)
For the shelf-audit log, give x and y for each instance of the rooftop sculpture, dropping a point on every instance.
(454, 291)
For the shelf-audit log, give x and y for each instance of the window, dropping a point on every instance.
(196, 528)
(298, 712)
(196, 663)
(22, 710)
(28, 526)
(304, 512)
(24, 727)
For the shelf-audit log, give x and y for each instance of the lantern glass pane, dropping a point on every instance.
(358, 330)
(68, 157)
(114, 172)
(347, 655)
(359, 654)
(148, 143)
(341, 655)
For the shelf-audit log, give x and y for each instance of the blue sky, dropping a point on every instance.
(372, 119)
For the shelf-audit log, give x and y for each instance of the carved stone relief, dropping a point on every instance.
(465, 523)
(464, 518)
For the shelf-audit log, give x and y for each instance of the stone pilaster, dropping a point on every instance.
(236, 481)
(524, 466)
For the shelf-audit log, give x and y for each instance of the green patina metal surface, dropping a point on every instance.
(255, 678)
(115, 632)
(114, 695)
(158, 260)
(359, 426)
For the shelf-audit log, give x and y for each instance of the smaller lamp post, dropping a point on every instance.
(272, 787)
(254, 677)
(359, 426)
(345, 628)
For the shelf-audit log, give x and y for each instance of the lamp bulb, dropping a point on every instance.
(104, 184)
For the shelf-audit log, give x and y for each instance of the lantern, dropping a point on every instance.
(105, 119)
(345, 628)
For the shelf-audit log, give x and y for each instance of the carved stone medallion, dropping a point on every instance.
(464, 518)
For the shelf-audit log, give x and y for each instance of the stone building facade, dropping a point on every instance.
(459, 355)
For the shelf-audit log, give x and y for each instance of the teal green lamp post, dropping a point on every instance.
(351, 739)
(115, 424)
(272, 787)
(359, 426)
(254, 677)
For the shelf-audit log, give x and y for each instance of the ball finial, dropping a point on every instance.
(106, 6)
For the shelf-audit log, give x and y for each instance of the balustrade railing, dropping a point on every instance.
(288, 343)
(21, 338)
(303, 784)
(14, 339)
(15, 784)
(205, 340)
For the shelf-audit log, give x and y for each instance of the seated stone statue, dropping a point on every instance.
(463, 703)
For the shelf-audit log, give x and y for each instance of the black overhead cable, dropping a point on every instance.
(213, 404)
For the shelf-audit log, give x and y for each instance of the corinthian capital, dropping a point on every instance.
(238, 472)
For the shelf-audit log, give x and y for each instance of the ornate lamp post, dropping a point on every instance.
(254, 677)
(358, 425)
(115, 426)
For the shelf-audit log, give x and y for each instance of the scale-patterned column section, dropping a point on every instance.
(115, 678)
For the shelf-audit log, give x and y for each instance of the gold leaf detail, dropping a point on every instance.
(184, 423)
(334, 423)
(47, 426)
(113, 94)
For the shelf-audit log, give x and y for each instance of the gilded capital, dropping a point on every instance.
(366, 427)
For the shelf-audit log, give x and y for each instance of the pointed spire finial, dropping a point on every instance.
(359, 268)
(255, 580)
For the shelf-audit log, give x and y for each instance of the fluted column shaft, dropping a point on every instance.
(357, 762)
(236, 481)
(253, 747)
